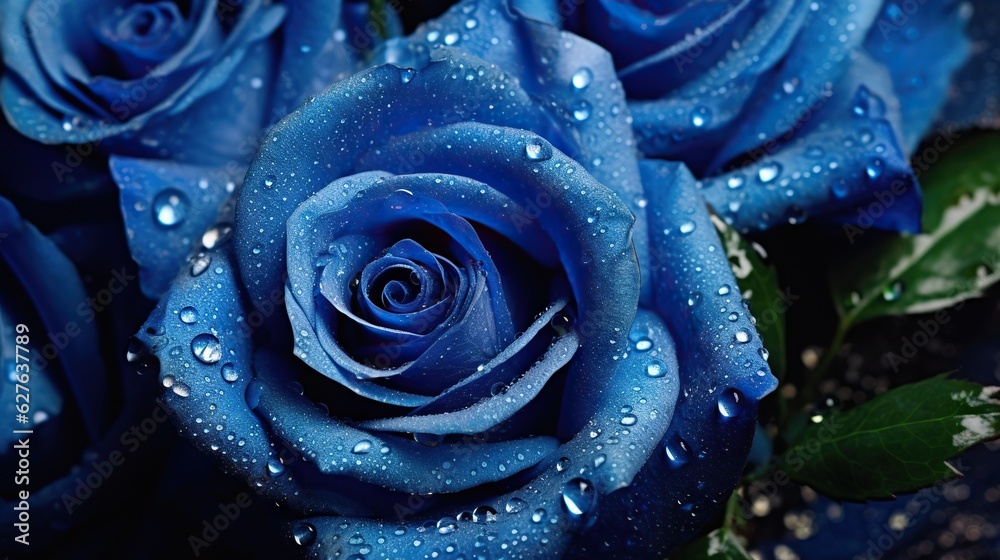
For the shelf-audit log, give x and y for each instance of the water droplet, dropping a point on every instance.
(229, 372)
(216, 235)
(274, 466)
(269, 181)
(70, 122)
(362, 447)
(874, 168)
(200, 263)
(643, 344)
(581, 111)
(735, 182)
(733, 317)
(406, 74)
(451, 38)
(562, 464)
(135, 350)
(538, 150)
(561, 322)
(723, 289)
(694, 299)
(498, 388)
(730, 403)
(304, 534)
(687, 227)
(170, 207)
(677, 451)
(700, 116)
(514, 505)
(892, 292)
(579, 497)
(582, 78)
(840, 188)
(446, 525)
(763, 353)
(769, 172)
(188, 315)
(656, 368)
(207, 348)
(600, 460)
(742, 336)
(629, 420)
(181, 390)
(484, 514)
(538, 515)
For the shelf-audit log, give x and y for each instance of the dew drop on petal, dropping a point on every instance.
(200, 264)
(229, 372)
(362, 447)
(656, 368)
(769, 172)
(730, 403)
(304, 534)
(181, 389)
(207, 348)
(274, 466)
(579, 497)
(537, 151)
(170, 207)
(643, 344)
(514, 505)
(188, 315)
(484, 514)
(582, 78)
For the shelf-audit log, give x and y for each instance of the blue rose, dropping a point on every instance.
(456, 315)
(67, 302)
(784, 109)
(177, 93)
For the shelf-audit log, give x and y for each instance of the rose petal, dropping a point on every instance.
(922, 52)
(56, 293)
(569, 495)
(722, 378)
(490, 411)
(844, 159)
(391, 462)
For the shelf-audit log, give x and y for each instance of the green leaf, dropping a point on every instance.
(897, 442)
(758, 283)
(953, 260)
(720, 544)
